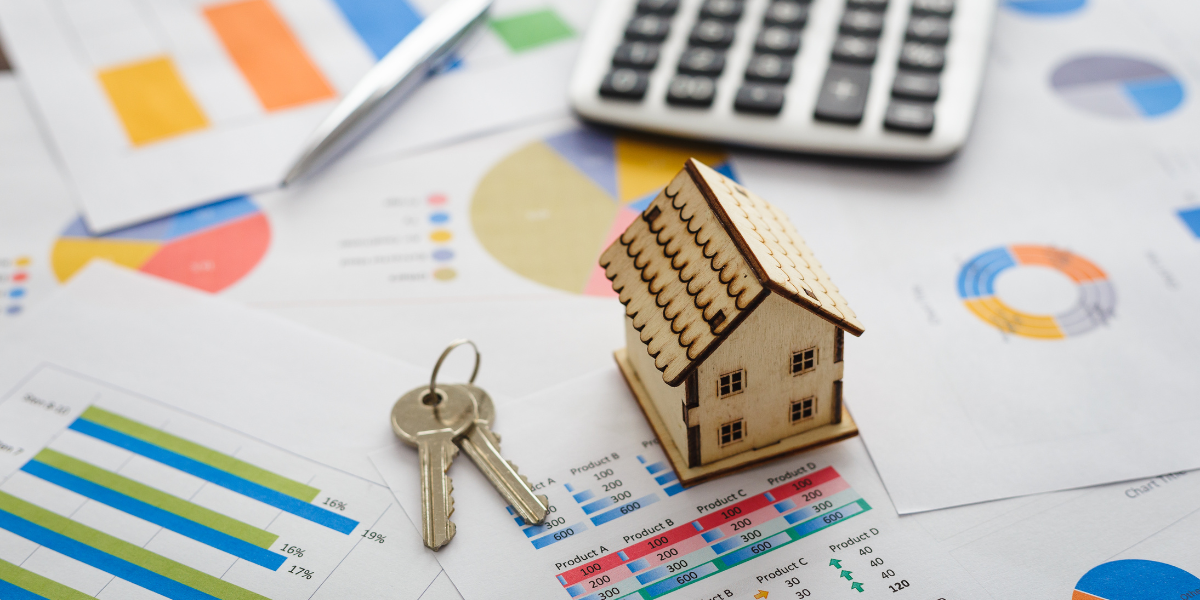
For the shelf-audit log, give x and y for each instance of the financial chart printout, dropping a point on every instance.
(104, 493)
(621, 526)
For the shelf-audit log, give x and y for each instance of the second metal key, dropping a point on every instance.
(483, 446)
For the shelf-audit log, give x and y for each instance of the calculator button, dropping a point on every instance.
(786, 14)
(636, 55)
(922, 57)
(914, 117)
(769, 67)
(778, 40)
(648, 28)
(658, 7)
(724, 10)
(761, 98)
(938, 8)
(935, 30)
(843, 95)
(702, 61)
(879, 5)
(855, 49)
(916, 86)
(686, 90)
(862, 22)
(711, 32)
(625, 83)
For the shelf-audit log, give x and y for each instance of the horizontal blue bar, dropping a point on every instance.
(625, 509)
(808, 512)
(697, 526)
(653, 574)
(621, 554)
(584, 496)
(776, 541)
(637, 565)
(9, 591)
(785, 506)
(570, 488)
(641, 459)
(656, 467)
(673, 583)
(147, 512)
(562, 580)
(104, 561)
(224, 479)
(380, 23)
(550, 538)
(666, 478)
(598, 505)
(575, 590)
(768, 496)
(671, 490)
(819, 523)
(712, 534)
(727, 545)
(510, 510)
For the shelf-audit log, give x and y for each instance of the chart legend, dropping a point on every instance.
(1094, 307)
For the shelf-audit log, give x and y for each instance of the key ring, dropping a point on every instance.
(438, 365)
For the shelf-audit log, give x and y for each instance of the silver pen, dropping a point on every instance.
(389, 81)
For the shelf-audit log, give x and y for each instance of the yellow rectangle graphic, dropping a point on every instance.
(152, 101)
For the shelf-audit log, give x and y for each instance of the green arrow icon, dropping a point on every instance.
(846, 574)
(857, 586)
(833, 562)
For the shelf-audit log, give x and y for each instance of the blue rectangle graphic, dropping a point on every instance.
(775, 541)
(625, 509)
(559, 535)
(1191, 218)
(380, 23)
(666, 585)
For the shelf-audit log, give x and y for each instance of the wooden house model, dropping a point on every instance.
(734, 333)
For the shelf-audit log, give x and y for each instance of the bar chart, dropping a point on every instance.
(102, 491)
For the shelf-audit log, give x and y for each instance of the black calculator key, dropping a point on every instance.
(938, 8)
(852, 49)
(724, 10)
(879, 5)
(625, 83)
(711, 32)
(862, 22)
(648, 28)
(778, 40)
(702, 61)
(786, 14)
(935, 30)
(843, 95)
(688, 90)
(769, 67)
(636, 55)
(914, 117)
(761, 98)
(916, 86)
(658, 7)
(922, 57)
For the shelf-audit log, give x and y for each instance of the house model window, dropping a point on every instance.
(732, 432)
(803, 409)
(804, 361)
(716, 283)
(732, 383)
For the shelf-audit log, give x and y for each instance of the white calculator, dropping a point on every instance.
(892, 79)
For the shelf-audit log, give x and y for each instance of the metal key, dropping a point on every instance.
(431, 422)
(483, 446)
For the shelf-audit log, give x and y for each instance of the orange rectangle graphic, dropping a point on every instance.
(151, 100)
(268, 54)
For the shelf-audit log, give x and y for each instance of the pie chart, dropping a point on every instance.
(208, 248)
(1136, 580)
(549, 209)
(1119, 87)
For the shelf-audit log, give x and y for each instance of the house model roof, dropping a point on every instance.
(702, 256)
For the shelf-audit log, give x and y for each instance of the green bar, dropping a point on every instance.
(531, 30)
(124, 550)
(32, 582)
(199, 453)
(160, 499)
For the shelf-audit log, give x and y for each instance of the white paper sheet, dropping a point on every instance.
(621, 524)
(115, 347)
(223, 123)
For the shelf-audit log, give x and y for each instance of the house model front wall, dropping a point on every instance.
(762, 348)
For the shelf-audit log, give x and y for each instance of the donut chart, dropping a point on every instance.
(208, 248)
(547, 210)
(1136, 580)
(1094, 307)
(1118, 87)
